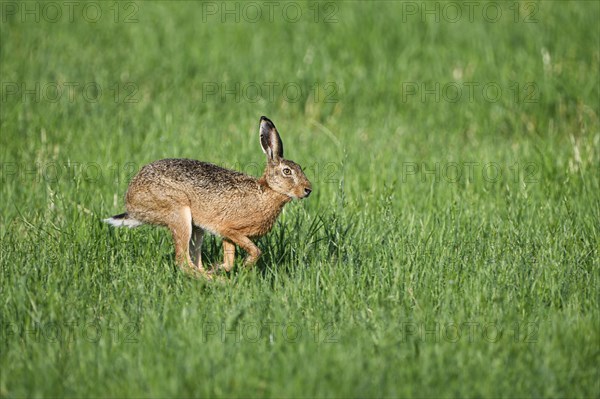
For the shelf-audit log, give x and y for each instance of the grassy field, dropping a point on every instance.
(450, 246)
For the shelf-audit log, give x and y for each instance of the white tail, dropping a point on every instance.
(123, 220)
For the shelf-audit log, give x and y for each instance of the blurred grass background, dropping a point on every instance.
(450, 247)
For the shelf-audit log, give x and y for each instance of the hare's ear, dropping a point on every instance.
(269, 139)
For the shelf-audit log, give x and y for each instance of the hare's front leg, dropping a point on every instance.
(196, 246)
(228, 255)
(247, 245)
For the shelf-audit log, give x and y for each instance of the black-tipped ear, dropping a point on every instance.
(269, 139)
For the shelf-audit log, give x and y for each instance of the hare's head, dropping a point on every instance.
(285, 177)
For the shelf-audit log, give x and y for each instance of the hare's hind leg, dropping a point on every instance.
(196, 246)
(180, 225)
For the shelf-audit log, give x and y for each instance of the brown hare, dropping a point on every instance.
(189, 197)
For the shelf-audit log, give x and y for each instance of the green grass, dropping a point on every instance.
(398, 277)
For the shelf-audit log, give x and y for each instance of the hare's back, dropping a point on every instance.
(192, 173)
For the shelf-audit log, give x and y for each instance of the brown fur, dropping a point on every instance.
(189, 197)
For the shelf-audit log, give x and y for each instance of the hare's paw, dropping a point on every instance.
(217, 276)
(251, 260)
(221, 269)
(198, 274)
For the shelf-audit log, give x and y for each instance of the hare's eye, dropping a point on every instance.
(287, 171)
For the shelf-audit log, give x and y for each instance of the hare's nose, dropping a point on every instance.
(307, 191)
